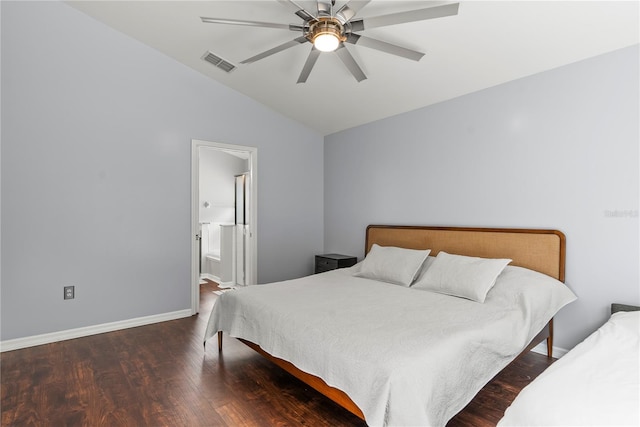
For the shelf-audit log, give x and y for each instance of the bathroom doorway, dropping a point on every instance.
(215, 208)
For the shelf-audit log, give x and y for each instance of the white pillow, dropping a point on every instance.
(461, 276)
(390, 264)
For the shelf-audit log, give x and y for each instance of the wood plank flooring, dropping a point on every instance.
(159, 375)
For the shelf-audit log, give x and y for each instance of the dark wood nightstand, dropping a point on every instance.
(328, 262)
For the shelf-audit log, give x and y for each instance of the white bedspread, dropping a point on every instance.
(595, 384)
(404, 356)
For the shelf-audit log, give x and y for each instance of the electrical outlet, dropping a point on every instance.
(69, 292)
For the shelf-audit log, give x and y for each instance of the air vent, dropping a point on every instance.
(218, 62)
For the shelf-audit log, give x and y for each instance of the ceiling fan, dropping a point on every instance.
(328, 31)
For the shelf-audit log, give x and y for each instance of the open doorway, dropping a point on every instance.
(214, 215)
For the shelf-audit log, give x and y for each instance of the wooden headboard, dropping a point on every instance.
(539, 250)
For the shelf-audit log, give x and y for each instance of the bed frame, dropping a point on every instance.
(535, 249)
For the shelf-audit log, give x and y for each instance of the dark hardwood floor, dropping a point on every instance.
(159, 375)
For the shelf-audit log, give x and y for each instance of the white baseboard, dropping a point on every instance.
(217, 280)
(210, 277)
(542, 349)
(18, 343)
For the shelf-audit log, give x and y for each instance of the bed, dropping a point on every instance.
(594, 384)
(404, 353)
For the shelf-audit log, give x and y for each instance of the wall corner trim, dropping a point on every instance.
(34, 340)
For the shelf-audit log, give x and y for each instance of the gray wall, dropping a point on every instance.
(96, 140)
(95, 174)
(554, 150)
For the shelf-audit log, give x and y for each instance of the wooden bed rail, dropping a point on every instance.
(337, 395)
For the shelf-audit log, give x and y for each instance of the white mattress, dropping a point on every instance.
(404, 356)
(595, 384)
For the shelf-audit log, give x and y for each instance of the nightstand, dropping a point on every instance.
(328, 262)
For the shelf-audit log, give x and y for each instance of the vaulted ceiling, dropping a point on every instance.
(485, 44)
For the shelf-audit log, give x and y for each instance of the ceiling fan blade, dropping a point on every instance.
(384, 47)
(350, 62)
(308, 65)
(297, 9)
(276, 49)
(349, 10)
(250, 23)
(404, 17)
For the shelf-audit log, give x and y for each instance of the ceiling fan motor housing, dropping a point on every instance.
(325, 26)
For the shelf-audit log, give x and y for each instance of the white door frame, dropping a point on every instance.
(252, 266)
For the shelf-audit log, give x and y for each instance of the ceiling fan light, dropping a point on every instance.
(326, 42)
(326, 34)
